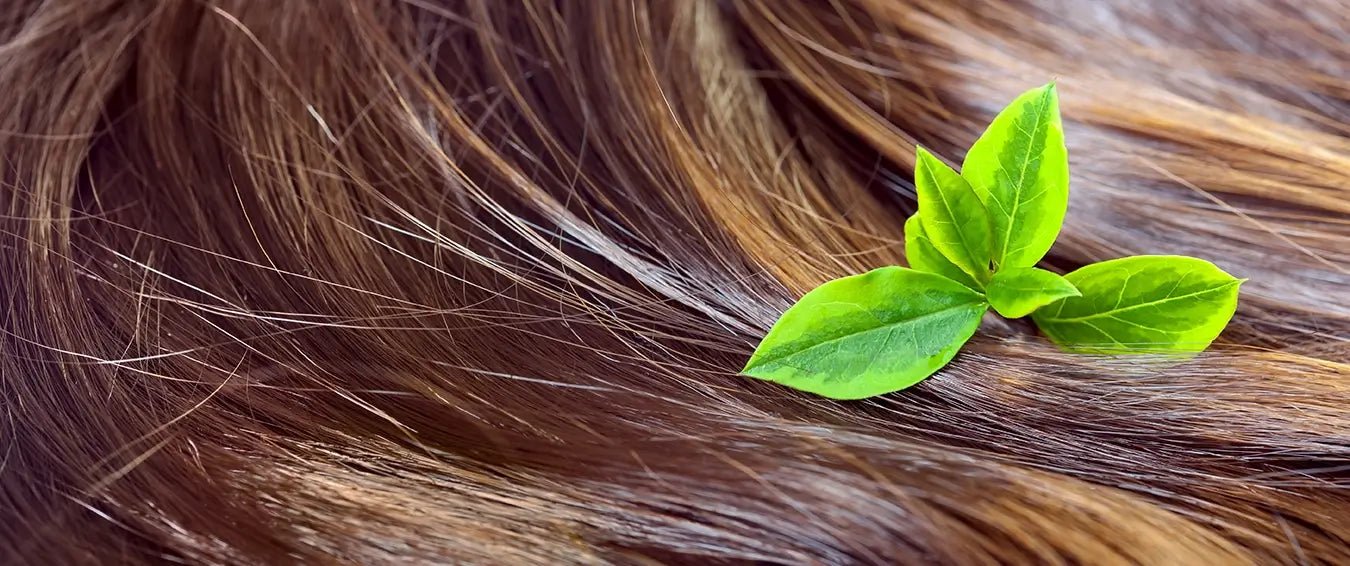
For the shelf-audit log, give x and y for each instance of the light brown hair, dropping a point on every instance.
(422, 280)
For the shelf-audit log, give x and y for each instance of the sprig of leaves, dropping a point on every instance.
(974, 244)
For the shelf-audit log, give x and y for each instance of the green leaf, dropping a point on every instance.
(868, 334)
(1020, 170)
(1142, 304)
(923, 256)
(953, 216)
(1019, 291)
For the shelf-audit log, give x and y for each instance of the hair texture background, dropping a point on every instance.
(414, 280)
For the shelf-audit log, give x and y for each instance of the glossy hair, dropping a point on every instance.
(470, 281)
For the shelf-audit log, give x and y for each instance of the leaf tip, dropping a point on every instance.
(751, 364)
(922, 156)
(1073, 290)
(1235, 282)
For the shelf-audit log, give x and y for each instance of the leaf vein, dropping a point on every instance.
(835, 340)
(1021, 176)
(970, 259)
(1154, 302)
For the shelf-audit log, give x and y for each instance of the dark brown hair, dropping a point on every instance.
(424, 280)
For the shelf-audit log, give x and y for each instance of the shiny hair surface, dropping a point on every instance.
(377, 281)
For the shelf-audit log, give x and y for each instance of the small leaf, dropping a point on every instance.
(953, 216)
(1142, 304)
(868, 334)
(1020, 170)
(923, 256)
(1019, 291)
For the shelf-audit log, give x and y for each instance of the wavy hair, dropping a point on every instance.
(470, 280)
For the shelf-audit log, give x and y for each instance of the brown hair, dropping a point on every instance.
(470, 280)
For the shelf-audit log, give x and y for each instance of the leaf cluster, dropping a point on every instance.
(973, 245)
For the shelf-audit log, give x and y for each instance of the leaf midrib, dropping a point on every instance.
(1116, 311)
(970, 258)
(874, 329)
(1022, 175)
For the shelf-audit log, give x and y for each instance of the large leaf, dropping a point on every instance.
(953, 216)
(1020, 170)
(868, 334)
(1142, 304)
(921, 254)
(1019, 291)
